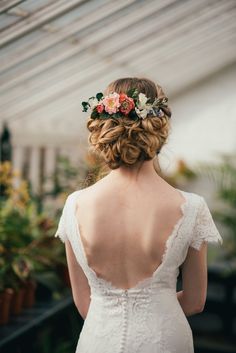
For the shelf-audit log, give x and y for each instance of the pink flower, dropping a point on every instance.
(126, 104)
(111, 103)
(100, 108)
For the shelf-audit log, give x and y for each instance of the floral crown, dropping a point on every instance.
(133, 104)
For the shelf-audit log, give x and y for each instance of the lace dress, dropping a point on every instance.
(146, 318)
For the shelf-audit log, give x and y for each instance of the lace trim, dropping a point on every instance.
(205, 228)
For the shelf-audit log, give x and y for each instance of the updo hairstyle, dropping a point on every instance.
(124, 142)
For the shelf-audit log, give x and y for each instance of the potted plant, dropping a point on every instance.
(29, 253)
(16, 232)
(13, 237)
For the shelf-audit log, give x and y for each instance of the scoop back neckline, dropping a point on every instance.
(158, 269)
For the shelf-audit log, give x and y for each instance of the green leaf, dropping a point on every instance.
(99, 96)
(133, 115)
(94, 114)
(85, 106)
(132, 93)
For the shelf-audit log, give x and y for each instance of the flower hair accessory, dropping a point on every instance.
(133, 104)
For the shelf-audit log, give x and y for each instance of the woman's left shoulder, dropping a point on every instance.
(195, 197)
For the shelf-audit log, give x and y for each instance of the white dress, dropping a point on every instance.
(146, 318)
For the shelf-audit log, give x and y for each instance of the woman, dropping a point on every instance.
(128, 235)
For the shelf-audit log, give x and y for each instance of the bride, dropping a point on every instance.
(129, 235)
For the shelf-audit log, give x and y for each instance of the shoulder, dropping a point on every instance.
(196, 199)
(77, 195)
(200, 201)
(69, 201)
(197, 206)
(74, 194)
(92, 194)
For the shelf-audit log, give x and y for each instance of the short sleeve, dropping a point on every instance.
(204, 227)
(62, 229)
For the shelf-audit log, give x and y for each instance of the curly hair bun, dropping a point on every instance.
(124, 142)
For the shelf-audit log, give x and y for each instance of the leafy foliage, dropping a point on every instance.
(224, 176)
(27, 247)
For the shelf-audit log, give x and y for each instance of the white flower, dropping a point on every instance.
(141, 113)
(142, 100)
(93, 102)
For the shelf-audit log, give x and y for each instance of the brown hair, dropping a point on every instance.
(124, 142)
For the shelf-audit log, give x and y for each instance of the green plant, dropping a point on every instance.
(27, 248)
(223, 175)
(15, 230)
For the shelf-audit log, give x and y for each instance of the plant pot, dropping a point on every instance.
(29, 297)
(5, 301)
(17, 301)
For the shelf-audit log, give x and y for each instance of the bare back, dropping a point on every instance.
(124, 227)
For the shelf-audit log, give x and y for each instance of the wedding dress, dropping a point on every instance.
(146, 318)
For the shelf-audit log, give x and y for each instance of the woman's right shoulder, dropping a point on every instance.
(87, 193)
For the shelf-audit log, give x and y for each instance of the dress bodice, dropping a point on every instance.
(144, 313)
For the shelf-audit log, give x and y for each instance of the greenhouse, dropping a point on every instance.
(62, 129)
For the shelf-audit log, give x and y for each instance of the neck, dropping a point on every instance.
(140, 171)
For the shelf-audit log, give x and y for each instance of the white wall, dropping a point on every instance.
(203, 121)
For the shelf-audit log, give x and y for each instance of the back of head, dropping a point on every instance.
(124, 141)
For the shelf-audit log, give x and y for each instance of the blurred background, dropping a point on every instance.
(54, 55)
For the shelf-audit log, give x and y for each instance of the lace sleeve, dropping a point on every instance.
(205, 228)
(61, 229)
